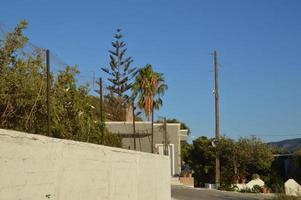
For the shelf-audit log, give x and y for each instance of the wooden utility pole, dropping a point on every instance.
(134, 125)
(48, 93)
(217, 127)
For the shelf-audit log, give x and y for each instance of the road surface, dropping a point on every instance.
(186, 193)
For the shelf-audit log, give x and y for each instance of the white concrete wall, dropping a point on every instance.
(34, 167)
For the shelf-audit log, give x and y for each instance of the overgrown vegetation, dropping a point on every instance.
(297, 165)
(239, 160)
(74, 111)
(23, 96)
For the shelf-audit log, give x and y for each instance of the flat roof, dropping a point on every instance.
(141, 122)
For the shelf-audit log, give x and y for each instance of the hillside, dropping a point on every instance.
(291, 145)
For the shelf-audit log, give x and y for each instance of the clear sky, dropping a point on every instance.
(259, 45)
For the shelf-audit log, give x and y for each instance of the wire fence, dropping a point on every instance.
(57, 63)
(23, 96)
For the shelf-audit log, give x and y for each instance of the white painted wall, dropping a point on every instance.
(34, 167)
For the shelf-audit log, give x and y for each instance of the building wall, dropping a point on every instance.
(184, 135)
(144, 144)
(34, 167)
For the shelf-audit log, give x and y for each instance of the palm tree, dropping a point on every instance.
(149, 86)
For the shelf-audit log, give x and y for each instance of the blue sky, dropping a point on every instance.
(258, 43)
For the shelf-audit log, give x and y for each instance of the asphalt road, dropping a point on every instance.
(186, 193)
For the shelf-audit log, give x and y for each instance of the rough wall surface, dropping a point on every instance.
(34, 167)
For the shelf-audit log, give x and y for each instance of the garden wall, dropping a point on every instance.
(34, 167)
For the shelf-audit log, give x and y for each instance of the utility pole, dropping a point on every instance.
(101, 109)
(217, 127)
(48, 93)
(134, 125)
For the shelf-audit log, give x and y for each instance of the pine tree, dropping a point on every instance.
(120, 75)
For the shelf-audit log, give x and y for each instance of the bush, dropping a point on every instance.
(228, 187)
(278, 188)
(247, 190)
(256, 189)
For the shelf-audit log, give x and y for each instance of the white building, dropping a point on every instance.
(143, 139)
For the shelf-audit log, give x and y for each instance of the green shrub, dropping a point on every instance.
(228, 187)
(256, 189)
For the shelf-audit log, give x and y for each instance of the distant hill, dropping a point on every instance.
(291, 145)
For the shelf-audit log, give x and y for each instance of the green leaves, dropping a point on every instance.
(22, 85)
(14, 41)
(150, 87)
(240, 158)
(23, 96)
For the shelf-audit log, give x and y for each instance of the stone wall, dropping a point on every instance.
(34, 167)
